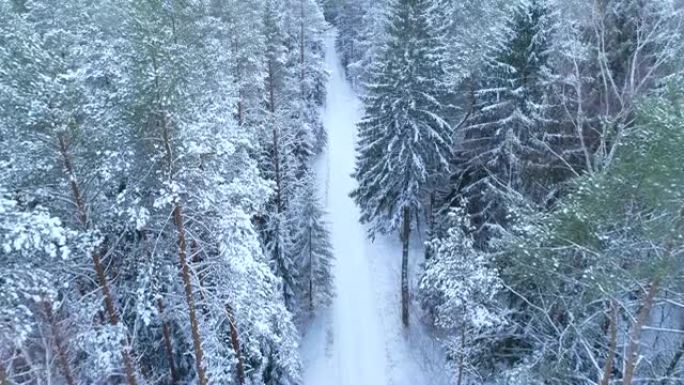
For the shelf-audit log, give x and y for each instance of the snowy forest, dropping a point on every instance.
(342, 192)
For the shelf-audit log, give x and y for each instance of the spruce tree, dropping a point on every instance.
(368, 42)
(348, 18)
(404, 137)
(503, 142)
(281, 151)
(313, 248)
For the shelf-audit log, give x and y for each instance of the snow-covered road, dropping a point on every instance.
(360, 341)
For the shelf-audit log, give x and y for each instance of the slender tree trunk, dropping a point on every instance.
(23, 368)
(97, 262)
(276, 139)
(277, 249)
(301, 46)
(406, 233)
(168, 345)
(673, 364)
(430, 226)
(230, 315)
(73, 183)
(608, 367)
(276, 169)
(182, 257)
(235, 342)
(240, 110)
(311, 273)
(114, 317)
(461, 359)
(196, 259)
(189, 296)
(62, 354)
(235, 46)
(3, 375)
(635, 335)
(278, 253)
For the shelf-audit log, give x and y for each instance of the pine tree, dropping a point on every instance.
(598, 259)
(52, 83)
(404, 138)
(32, 246)
(132, 127)
(244, 29)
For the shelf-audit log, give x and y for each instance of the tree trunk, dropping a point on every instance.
(673, 364)
(182, 258)
(635, 335)
(99, 267)
(276, 169)
(461, 359)
(277, 247)
(276, 139)
(608, 367)
(168, 346)
(301, 46)
(73, 183)
(430, 226)
(311, 273)
(235, 46)
(3, 375)
(240, 110)
(235, 342)
(62, 354)
(196, 259)
(189, 296)
(114, 317)
(405, 234)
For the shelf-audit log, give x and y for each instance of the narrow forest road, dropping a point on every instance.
(353, 337)
(360, 341)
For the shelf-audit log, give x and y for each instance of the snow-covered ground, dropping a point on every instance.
(361, 340)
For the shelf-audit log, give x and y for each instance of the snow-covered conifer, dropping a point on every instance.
(405, 137)
(503, 141)
(459, 287)
(313, 249)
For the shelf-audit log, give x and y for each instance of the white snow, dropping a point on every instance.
(361, 340)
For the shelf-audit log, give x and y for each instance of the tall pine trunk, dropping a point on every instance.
(277, 245)
(235, 342)
(635, 335)
(62, 355)
(311, 273)
(168, 345)
(240, 113)
(189, 296)
(102, 278)
(3, 375)
(405, 234)
(183, 260)
(301, 47)
(461, 357)
(610, 360)
(430, 226)
(673, 365)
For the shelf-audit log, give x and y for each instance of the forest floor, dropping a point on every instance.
(360, 340)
